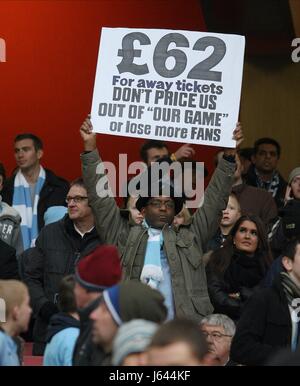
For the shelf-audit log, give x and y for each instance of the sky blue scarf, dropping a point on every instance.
(152, 271)
(28, 210)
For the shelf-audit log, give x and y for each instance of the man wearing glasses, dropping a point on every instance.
(219, 330)
(58, 248)
(153, 252)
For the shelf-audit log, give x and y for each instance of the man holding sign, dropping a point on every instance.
(155, 252)
(179, 86)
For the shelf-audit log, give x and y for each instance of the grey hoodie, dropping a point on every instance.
(10, 228)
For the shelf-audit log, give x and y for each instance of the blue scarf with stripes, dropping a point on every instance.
(152, 271)
(28, 210)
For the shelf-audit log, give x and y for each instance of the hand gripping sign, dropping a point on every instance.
(169, 85)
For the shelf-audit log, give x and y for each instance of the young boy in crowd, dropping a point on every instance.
(15, 313)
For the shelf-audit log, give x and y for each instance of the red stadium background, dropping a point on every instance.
(46, 83)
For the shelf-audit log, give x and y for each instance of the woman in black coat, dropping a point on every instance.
(238, 268)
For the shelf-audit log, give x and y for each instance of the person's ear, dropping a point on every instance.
(15, 313)
(287, 263)
(40, 153)
(143, 211)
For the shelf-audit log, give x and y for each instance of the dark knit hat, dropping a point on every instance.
(291, 218)
(134, 300)
(156, 181)
(162, 188)
(100, 269)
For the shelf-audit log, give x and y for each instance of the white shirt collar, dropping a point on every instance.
(82, 234)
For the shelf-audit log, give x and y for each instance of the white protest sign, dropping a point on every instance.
(179, 86)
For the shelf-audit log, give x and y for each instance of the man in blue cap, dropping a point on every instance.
(122, 303)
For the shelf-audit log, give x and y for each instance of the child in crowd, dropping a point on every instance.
(64, 327)
(230, 216)
(15, 313)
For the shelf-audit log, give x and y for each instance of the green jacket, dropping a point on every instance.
(183, 246)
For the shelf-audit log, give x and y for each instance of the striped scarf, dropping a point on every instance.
(152, 271)
(271, 186)
(28, 210)
(292, 292)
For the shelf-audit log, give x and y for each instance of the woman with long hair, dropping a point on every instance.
(238, 268)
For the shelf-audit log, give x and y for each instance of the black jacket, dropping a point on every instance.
(265, 327)
(286, 358)
(58, 249)
(8, 262)
(250, 179)
(244, 275)
(86, 353)
(53, 193)
(216, 242)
